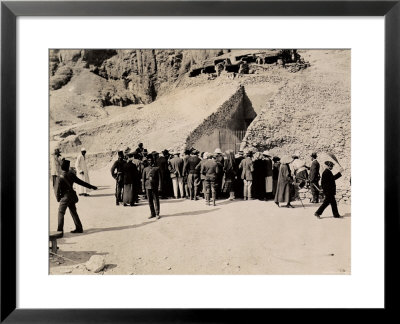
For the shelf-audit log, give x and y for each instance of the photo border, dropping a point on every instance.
(10, 10)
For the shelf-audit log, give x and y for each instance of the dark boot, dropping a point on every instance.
(195, 194)
(213, 198)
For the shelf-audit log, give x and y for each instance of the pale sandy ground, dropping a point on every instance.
(239, 237)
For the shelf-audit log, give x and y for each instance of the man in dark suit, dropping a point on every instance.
(193, 174)
(67, 197)
(329, 187)
(152, 186)
(314, 178)
(117, 172)
(162, 163)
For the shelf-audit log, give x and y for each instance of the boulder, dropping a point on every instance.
(96, 263)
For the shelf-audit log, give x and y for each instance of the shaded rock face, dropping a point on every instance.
(218, 130)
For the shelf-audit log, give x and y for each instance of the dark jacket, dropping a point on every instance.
(151, 178)
(247, 168)
(162, 163)
(275, 170)
(190, 166)
(131, 174)
(314, 171)
(328, 183)
(210, 169)
(66, 183)
(176, 167)
(268, 167)
(117, 170)
(199, 167)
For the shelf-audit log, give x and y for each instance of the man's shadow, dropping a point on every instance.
(192, 213)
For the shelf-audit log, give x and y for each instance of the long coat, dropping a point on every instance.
(328, 182)
(131, 183)
(283, 189)
(80, 165)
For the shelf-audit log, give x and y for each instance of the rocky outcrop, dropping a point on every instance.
(145, 74)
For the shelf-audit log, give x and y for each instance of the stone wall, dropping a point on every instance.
(233, 114)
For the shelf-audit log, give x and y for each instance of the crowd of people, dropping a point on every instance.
(195, 175)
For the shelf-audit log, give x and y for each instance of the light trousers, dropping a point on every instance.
(247, 188)
(178, 182)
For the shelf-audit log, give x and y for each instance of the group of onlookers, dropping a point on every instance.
(192, 174)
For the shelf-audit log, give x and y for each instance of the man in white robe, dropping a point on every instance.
(82, 172)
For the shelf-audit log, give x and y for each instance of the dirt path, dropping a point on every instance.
(239, 237)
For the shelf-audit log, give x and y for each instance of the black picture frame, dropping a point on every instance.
(10, 10)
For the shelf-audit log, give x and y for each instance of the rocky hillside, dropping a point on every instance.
(309, 112)
(105, 99)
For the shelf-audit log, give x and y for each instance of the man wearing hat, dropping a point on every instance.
(82, 172)
(151, 180)
(238, 182)
(162, 163)
(247, 175)
(67, 198)
(268, 175)
(285, 183)
(314, 178)
(275, 173)
(55, 165)
(329, 187)
(219, 158)
(202, 176)
(117, 172)
(175, 166)
(193, 174)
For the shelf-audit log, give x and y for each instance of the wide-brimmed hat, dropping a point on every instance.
(313, 155)
(120, 153)
(296, 154)
(218, 151)
(165, 152)
(266, 153)
(57, 150)
(329, 164)
(276, 158)
(286, 159)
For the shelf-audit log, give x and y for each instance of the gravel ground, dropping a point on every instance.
(239, 237)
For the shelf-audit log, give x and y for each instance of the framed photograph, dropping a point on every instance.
(218, 159)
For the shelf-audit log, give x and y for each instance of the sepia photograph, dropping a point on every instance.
(199, 162)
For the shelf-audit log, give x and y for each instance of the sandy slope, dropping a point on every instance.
(251, 237)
